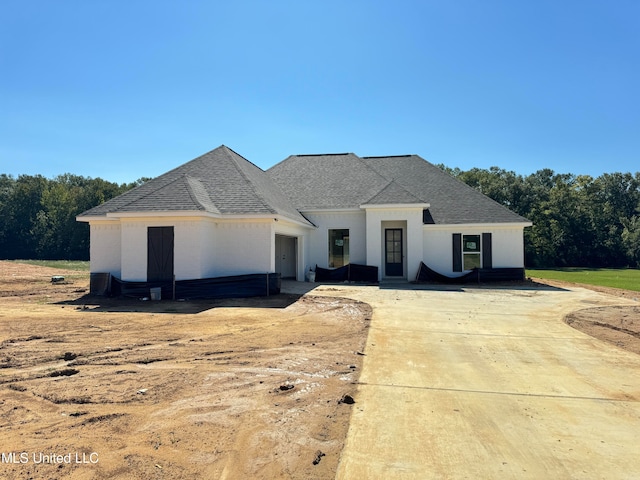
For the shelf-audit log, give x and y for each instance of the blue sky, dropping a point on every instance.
(126, 89)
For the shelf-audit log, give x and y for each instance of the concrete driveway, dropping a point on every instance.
(489, 383)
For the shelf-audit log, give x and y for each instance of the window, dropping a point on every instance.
(471, 251)
(338, 247)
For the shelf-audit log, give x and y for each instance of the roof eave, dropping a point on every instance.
(114, 216)
(330, 209)
(394, 205)
(91, 218)
(478, 225)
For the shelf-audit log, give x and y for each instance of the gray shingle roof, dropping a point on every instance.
(224, 183)
(452, 201)
(348, 181)
(219, 182)
(393, 193)
(327, 181)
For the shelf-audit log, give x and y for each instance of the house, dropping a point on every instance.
(220, 215)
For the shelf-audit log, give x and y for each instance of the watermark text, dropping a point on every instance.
(53, 458)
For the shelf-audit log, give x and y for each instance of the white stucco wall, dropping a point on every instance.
(410, 220)
(206, 247)
(208, 241)
(134, 251)
(243, 247)
(302, 236)
(104, 248)
(507, 245)
(239, 246)
(318, 245)
(203, 247)
(438, 248)
(188, 254)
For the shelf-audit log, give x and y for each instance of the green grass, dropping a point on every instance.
(627, 279)
(79, 265)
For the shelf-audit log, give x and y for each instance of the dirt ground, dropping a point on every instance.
(619, 326)
(97, 388)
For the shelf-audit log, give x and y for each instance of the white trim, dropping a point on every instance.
(329, 210)
(166, 213)
(190, 214)
(401, 225)
(449, 226)
(421, 206)
(94, 219)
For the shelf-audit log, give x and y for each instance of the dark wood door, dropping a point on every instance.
(159, 254)
(393, 252)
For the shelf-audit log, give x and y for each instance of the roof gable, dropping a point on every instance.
(221, 182)
(348, 181)
(218, 182)
(392, 193)
(451, 201)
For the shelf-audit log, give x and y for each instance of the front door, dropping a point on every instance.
(393, 266)
(160, 254)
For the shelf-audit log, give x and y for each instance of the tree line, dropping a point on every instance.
(38, 215)
(577, 220)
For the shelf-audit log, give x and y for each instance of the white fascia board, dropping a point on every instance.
(309, 225)
(165, 213)
(95, 218)
(388, 206)
(191, 214)
(329, 210)
(263, 216)
(80, 218)
(450, 226)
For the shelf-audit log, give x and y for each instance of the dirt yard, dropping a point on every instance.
(96, 388)
(619, 326)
